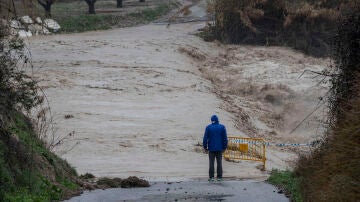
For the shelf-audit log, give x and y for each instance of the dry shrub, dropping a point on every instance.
(332, 171)
(310, 30)
(237, 21)
(308, 26)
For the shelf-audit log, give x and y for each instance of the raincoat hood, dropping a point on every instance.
(214, 119)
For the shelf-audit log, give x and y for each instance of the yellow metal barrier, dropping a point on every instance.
(241, 148)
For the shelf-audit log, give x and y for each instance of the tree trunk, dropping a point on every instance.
(119, 3)
(92, 7)
(48, 11)
(47, 6)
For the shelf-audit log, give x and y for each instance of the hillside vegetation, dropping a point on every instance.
(332, 171)
(28, 170)
(306, 25)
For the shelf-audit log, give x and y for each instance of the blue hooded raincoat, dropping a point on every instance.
(215, 137)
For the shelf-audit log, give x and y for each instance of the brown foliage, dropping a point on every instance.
(332, 171)
(308, 26)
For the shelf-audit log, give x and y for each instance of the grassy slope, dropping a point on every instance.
(84, 22)
(72, 16)
(29, 171)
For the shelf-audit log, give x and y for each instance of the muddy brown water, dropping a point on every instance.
(138, 105)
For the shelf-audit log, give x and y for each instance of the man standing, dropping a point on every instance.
(215, 141)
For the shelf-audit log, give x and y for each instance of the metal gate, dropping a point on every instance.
(241, 148)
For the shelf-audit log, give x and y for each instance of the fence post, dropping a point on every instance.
(264, 154)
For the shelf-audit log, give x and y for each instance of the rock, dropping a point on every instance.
(45, 31)
(13, 32)
(89, 186)
(4, 22)
(52, 25)
(38, 20)
(23, 34)
(16, 24)
(26, 20)
(38, 29)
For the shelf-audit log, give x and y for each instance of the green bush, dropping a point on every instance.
(287, 181)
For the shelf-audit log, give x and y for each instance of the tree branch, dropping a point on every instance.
(42, 3)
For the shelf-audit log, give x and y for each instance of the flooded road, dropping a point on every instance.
(136, 104)
(139, 105)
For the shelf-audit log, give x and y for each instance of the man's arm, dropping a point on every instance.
(205, 139)
(225, 140)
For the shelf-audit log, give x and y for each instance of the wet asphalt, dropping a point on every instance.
(201, 190)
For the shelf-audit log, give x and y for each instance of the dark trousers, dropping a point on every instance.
(218, 156)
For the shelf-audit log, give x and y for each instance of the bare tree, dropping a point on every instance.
(47, 6)
(119, 3)
(91, 4)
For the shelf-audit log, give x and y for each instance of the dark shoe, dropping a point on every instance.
(211, 179)
(219, 179)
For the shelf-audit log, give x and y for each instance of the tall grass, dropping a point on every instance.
(287, 181)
